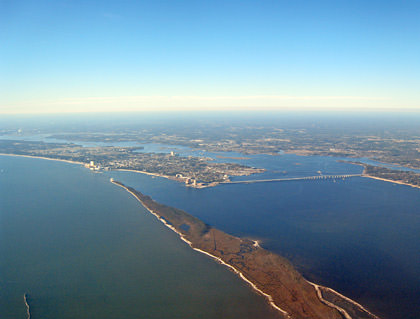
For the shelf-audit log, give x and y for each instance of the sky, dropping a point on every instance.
(108, 56)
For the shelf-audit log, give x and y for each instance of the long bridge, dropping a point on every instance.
(317, 177)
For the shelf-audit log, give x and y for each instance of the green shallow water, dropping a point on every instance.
(84, 248)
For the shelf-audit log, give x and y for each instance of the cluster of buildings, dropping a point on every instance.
(188, 180)
(91, 165)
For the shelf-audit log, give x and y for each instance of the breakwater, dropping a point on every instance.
(28, 309)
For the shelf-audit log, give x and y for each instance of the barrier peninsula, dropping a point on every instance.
(269, 274)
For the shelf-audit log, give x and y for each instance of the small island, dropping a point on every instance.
(269, 274)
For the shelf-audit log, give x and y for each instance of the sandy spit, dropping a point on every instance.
(318, 291)
(253, 286)
(391, 181)
(241, 275)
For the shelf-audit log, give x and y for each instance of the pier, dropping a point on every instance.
(304, 178)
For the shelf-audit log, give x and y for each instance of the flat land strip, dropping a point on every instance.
(270, 273)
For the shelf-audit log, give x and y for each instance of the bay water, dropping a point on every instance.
(81, 247)
(359, 236)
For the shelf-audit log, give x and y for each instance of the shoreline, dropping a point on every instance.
(214, 184)
(141, 172)
(328, 303)
(390, 181)
(319, 293)
(198, 186)
(315, 153)
(241, 275)
(172, 178)
(116, 169)
(380, 178)
(269, 298)
(44, 158)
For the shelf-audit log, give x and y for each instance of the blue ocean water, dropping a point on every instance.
(359, 236)
(81, 247)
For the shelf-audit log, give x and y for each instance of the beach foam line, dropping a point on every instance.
(390, 181)
(330, 304)
(44, 158)
(319, 293)
(242, 276)
(236, 271)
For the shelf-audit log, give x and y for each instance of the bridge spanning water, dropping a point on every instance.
(317, 177)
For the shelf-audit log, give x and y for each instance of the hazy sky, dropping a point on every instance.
(61, 56)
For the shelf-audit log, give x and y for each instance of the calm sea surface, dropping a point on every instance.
(81, 247)
(84, 248)
(359, 236)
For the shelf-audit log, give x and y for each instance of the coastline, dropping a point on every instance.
(241, 275)
(197, 186)
(269, 298)
(380, 178)
(217, 183)
(317, 288)
(390, 181)
(42, 157)
(349, 157)
(117, 169)
(141, 172)
(166, 176)
(330, 304)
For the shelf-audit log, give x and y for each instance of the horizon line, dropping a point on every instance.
(229, 110)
